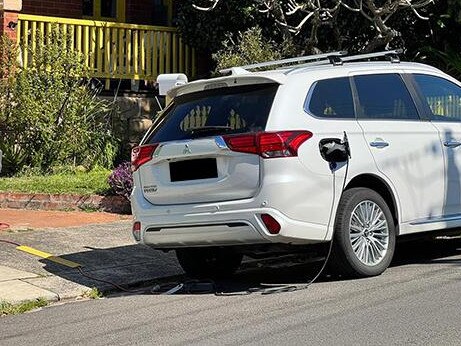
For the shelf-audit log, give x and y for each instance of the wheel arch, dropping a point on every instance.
(379, 185)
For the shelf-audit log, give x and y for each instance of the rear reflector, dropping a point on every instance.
(271, 224)
(141, 154)
(268, 144)
(137, 230)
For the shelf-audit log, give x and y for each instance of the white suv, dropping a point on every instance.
(256, 160)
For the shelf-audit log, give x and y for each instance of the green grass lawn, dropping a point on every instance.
(83, 183)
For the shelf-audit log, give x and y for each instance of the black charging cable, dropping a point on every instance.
(339, 150)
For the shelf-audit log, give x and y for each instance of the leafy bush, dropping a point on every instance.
(49, 114)
(251, 48)
(121, 180)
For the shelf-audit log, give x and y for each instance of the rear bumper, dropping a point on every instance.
(217, 224)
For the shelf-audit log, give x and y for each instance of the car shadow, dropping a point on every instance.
(115, 268)
(137, 269)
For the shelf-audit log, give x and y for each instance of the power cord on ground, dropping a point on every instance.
(280, 288)
(9, 242)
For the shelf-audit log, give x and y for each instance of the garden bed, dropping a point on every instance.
(66, 202)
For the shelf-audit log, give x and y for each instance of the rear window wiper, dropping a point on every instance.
(208, 130)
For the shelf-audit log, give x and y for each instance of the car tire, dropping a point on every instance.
(364, 234)
(209, 262)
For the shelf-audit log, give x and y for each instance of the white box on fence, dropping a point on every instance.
(168, 81)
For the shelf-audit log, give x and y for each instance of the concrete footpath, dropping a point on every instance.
(64, 255)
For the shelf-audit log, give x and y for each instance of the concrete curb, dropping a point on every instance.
(27, 286)
(111, 204)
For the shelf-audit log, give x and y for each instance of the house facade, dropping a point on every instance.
(129, 40)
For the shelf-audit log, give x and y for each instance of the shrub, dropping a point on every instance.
(251, 48)
(49, 113)
(121, 180)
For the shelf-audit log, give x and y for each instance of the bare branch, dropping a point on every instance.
(213, 5)
(296, 29)
(415, 7)
(422, 3)
(293, 7)
(268, 7)
(350, 8)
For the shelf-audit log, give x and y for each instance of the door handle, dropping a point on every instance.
(379, 144)
(452, 144)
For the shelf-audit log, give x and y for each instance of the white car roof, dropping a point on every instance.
(282, 76)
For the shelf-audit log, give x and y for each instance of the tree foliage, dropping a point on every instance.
(310, 25)
(49, 115)
(427, 30)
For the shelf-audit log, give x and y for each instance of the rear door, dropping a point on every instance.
(191, 163)
(442, 99)
(406, 149)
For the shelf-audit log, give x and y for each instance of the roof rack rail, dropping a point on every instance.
(329, 56)
(392, 55)
(334, 58)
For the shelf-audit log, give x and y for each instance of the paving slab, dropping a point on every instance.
(7, 274)
(16, 291)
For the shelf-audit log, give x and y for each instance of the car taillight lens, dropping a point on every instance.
(271, 224)
(141, 154)
(137, 230)
(268, 144)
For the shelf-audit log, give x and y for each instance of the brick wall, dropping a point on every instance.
(54, 8)
(149, 12)
(5, 19)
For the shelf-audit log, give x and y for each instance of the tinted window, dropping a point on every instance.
(331, 98)
(384, 96)
(214, 112)
(442, 96)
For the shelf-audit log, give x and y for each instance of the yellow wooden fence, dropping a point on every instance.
(114, 50)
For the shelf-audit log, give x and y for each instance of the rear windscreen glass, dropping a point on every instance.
(215, 112)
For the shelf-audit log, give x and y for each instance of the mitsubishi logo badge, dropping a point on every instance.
(186, 150)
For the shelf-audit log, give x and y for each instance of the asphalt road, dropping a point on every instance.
(415, 302)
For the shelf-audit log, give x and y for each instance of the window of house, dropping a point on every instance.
(104, 9)
(88, 8)
(384, 96)
(331, 98)
(109, 8)
(442, 96)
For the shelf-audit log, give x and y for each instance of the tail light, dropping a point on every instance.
(268, 144)
(271, 224)
(141, 154)
(137, 230)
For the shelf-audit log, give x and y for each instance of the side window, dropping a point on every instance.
(331, 98)
(442, 96)
(384, 96)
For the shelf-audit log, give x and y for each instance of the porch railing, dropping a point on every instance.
(114, 50)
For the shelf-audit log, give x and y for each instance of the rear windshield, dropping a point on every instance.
(215, 112)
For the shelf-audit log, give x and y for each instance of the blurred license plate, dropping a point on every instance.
(193, 169)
